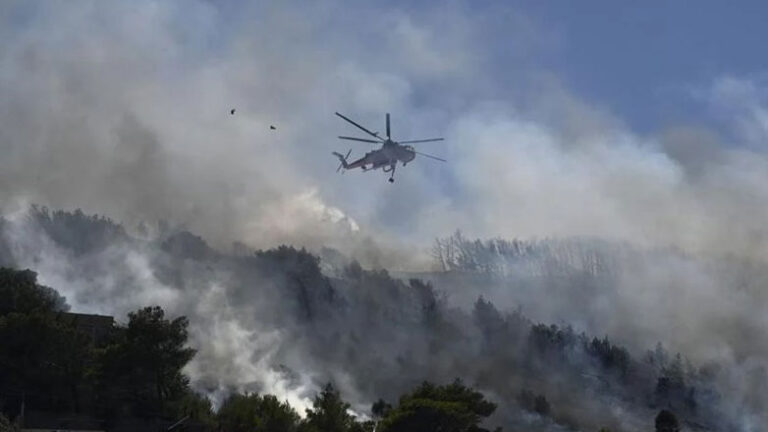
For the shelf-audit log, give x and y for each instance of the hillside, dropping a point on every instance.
(283, 322)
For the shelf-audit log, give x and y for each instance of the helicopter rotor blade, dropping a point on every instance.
(360, 127)
(388, 125)
(359, 139)
(430, 156)
(421, 141)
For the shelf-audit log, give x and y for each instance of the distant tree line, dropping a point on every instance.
(536, 257)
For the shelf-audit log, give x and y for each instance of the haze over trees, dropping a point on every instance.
(393, 349)
(138, 372)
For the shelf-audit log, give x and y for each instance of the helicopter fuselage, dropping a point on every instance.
(385, 158)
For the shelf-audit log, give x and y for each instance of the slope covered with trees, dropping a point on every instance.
(378, 338)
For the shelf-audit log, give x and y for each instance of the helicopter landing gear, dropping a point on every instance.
(391, 180)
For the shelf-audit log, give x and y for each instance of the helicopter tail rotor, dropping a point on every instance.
(342, 159)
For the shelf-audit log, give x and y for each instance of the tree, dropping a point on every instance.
(451, 408)
(43, 359)
(380, 408)
(197, 407)
(238, 413)
(329, 413)
(142, 367)
(610, 356)
(532, 402)
(20, 292)
(299, 271)
(666, 422)
(71, 364)
(277, 416)
(489, 321)
(249, 412)
(76, 231)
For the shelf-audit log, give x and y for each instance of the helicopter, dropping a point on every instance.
(387, 156)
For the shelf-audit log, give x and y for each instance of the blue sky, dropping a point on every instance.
(642, 58)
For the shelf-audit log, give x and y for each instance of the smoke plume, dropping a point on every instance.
(123, 110)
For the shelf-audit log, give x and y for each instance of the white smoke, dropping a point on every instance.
(123, 110)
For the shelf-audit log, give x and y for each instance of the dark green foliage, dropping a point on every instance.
(186, 245)
(488, 318)
(366, 426)
(429, 299)
(674, 370)
(674, 388)
(610, 356)
(251, 412)
(46, 361)
(277, 416)
(239, 413)
(142, 367)
(551, 340)
(380, 408)
(451, 408)
(297, 261)
(553, 343)
(329, 413)
(43, 358)
(666, 422)
(20, 292)
(533, 402)
(76, 231)
(41, 355)
(196, 406)
(299, 271)
(353, 271)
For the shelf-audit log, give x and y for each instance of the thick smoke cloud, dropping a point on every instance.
(122, 109)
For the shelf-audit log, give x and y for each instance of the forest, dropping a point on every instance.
(346, 348)
(136, 372)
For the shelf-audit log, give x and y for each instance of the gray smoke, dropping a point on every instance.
(128, 116)
(264, 322)
(122, 110)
